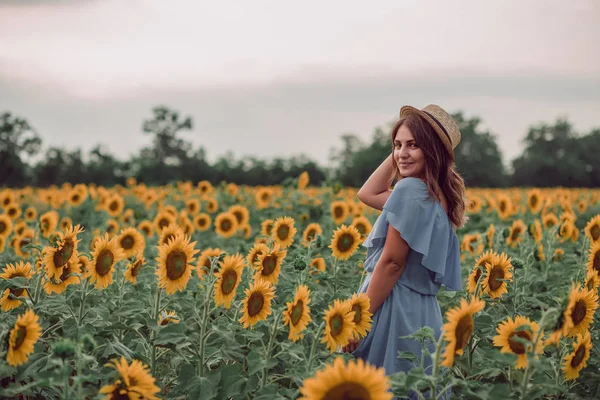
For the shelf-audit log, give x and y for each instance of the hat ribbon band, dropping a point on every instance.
(438, 124)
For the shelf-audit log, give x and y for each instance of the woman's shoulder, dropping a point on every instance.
(411, 186)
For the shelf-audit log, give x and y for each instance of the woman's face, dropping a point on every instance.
(408, 156)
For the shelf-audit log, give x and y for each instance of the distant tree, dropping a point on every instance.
(551, 157)
(17, 138)
(166, 146)
(59, 166)
(478, 158)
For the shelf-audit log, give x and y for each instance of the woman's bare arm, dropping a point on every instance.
(375, 190)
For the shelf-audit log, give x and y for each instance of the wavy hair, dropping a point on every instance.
(440, 173)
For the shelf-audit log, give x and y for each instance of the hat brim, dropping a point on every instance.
(408, 110)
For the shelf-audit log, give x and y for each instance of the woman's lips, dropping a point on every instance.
(405, 164)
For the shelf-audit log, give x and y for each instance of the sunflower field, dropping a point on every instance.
(234, 292)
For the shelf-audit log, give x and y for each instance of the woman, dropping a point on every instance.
(412, 249)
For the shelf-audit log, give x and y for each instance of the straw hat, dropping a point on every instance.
(441, 121)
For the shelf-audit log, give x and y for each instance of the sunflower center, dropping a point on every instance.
(229, 280)
(515, 233)
(255, 304)
(533, 201)
(265, 196)
(283, 231)
(515, 346)
(75, 198)
(21, 336)
(135, 270)
(579, 356)
(226, 225)
(65, 273)
(502, 206)
(2, 227)
(114, 206)
(310, 235)
(336, 323)
(104, 262)
(463, 331)
(17, 292)
(62, 255)
(12, 211)
(579, 312)
(347, 391)
(297, 311)
(360, 227)
(345, 242)
(596, 263)
(163, 222)
(238, 216)
(127, 242)
(338, 212)
(595, 232)
(268, 265)
(357, 313)
(202, 222)
(496, 274)
(120, 393)
(176, 264)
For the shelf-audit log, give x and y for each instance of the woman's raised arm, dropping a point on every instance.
(376, 189)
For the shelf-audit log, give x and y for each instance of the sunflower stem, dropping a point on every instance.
(38, 288)
(314, 347)
(436, 364)
(83, 296)
(269, 346)
(204, 322)
(528, 368)
(153, 335)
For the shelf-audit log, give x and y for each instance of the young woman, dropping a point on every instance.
(413, 248)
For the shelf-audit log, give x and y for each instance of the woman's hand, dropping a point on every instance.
(351, 346)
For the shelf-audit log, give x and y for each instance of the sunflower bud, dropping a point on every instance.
(517, 263)
(505, 233)
(88, 342)
(300, 263)
(319, 241)
(64, 349)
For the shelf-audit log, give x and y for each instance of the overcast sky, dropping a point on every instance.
(272, 78)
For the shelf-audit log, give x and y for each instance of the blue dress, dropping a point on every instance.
(433, 260)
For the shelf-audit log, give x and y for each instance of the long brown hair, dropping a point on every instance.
(440, 175)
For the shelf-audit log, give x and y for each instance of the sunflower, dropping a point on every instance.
(204, 261)
(497, 273)
(146, 227)
(132, 242)
(362, 225)
(231, 189)
(522, 328)
(13, 211)
(112, 227)
(133, 269)
(549, 220)
(162, 220)
(266, 227)
(22, 338)
(594, 257)
(56, 258)
(19, 269)
(360, 303)
(226, 224)
(459, 328)
(504, 206)
(135, 382)
(339, 325)
(257, 304)
(23, 240)
(356, 380)
(174, 266)
(83, 263)
(228, 279)
(168, 233)
(515, 236)
(344, 242)
(2, 243)
(592, 280)
(202, 222)
(6, 197)
(268, 265)
(6, 225)
(317, 265)
(254, 252)
(20, 227)
(263, 197)
(105, 255)
(77, 196)
(580, 311)
(476, 273)
(491, 231)
(535, 201)
(538, 253)
(592, 229)
(339, 211)
(303, 180)
(242, 215)
(192, 206)
(558, 255)
(168, 317)
(310, 233)
(567, 230)
(127, 217)
(535, 230)
(114, 205)
(205, 187)
(577, 360)
(283, 231)
(472, 244)
(186, 226)
(68, 276)
(297, 314)
(30, 214)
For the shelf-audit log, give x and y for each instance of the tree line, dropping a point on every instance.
(554, 155)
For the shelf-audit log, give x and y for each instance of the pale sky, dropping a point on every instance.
(272, 78)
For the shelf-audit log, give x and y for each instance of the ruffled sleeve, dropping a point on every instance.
(424, 225)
